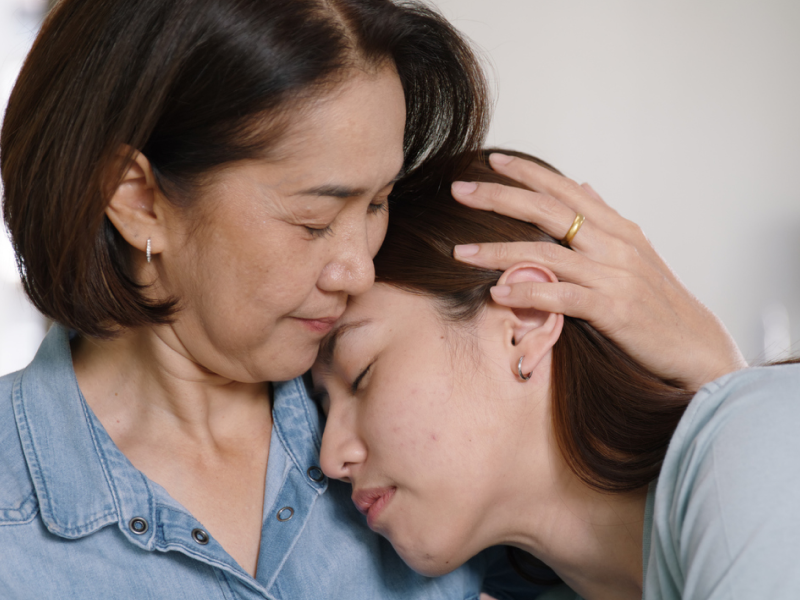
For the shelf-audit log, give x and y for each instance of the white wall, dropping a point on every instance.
(21, 327)
(684, 115)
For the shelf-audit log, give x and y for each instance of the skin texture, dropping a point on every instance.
(187, 403)
(464, 448)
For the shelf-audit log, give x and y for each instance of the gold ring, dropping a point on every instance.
(573, 230)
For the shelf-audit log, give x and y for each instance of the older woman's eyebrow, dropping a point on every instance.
(328, 346)
(333, 191)
(342, 191)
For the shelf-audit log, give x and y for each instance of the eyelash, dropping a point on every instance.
(322, 232)
(319, 396)
(357, 380)
(319, 233)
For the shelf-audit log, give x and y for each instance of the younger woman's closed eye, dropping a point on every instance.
(357, 381)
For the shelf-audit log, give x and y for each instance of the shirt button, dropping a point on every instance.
(286, 513)
(200, 536)
(138, 525)
(315, 474)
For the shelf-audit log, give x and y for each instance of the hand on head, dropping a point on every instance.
(611, 277)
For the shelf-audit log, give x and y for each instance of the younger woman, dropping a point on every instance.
(462, 423)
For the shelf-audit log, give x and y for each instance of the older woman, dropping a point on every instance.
(193, 189)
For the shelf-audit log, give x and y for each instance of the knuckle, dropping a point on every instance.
(572, 297)
(551, 252)
(567, 186)
(500, 252)
(526, 170)
(550, 207)
(529, 294)
(632, 230)
(493, 191)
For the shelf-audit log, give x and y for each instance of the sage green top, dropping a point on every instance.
(725, 523)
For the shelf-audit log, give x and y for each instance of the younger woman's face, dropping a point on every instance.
(424, 420)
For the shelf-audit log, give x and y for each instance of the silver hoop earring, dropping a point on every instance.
(148, 249)
(519, 370)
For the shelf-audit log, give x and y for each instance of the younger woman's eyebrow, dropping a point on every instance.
(328, 346)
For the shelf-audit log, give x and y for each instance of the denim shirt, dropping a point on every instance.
(78, 520)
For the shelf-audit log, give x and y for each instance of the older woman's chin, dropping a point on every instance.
(290, 366)
(267, 363)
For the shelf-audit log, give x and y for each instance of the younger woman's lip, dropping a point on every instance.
(371, 502)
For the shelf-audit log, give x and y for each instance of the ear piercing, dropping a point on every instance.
(519, 370)
(148, 250)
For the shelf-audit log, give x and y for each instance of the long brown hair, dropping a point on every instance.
(612, 418)
(195, 85)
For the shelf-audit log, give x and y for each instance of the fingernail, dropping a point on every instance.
(466, 250)
(499, 291)
(464, 187)
(500, 159)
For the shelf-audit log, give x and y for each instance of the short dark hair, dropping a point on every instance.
(194, 85)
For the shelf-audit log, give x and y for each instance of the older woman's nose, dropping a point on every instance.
(350, 269)
(342, 450)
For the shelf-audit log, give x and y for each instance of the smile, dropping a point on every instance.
(371, 502)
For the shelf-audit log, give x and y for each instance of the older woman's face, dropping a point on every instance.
(266, 269)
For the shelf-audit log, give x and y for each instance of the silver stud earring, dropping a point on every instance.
(148, 250)
(519, 370)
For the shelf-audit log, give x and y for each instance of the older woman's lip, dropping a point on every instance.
(322, 325)
(371, 502)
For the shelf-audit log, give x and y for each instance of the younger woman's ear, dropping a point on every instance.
(531, 332)
(132, 208)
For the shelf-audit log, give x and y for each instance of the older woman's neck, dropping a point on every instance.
(202, 437)
(142, 381)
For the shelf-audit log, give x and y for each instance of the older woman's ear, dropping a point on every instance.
(133, 207)
(530, 333)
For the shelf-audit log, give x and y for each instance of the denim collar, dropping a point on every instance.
(83, 481)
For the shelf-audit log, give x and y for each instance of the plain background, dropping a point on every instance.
(685, 116)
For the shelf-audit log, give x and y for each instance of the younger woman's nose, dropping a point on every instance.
(342, 451)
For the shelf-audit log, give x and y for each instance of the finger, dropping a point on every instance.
(567, 265)
(591, 191)
(562, 298)
(552, 216)
(545, 181)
